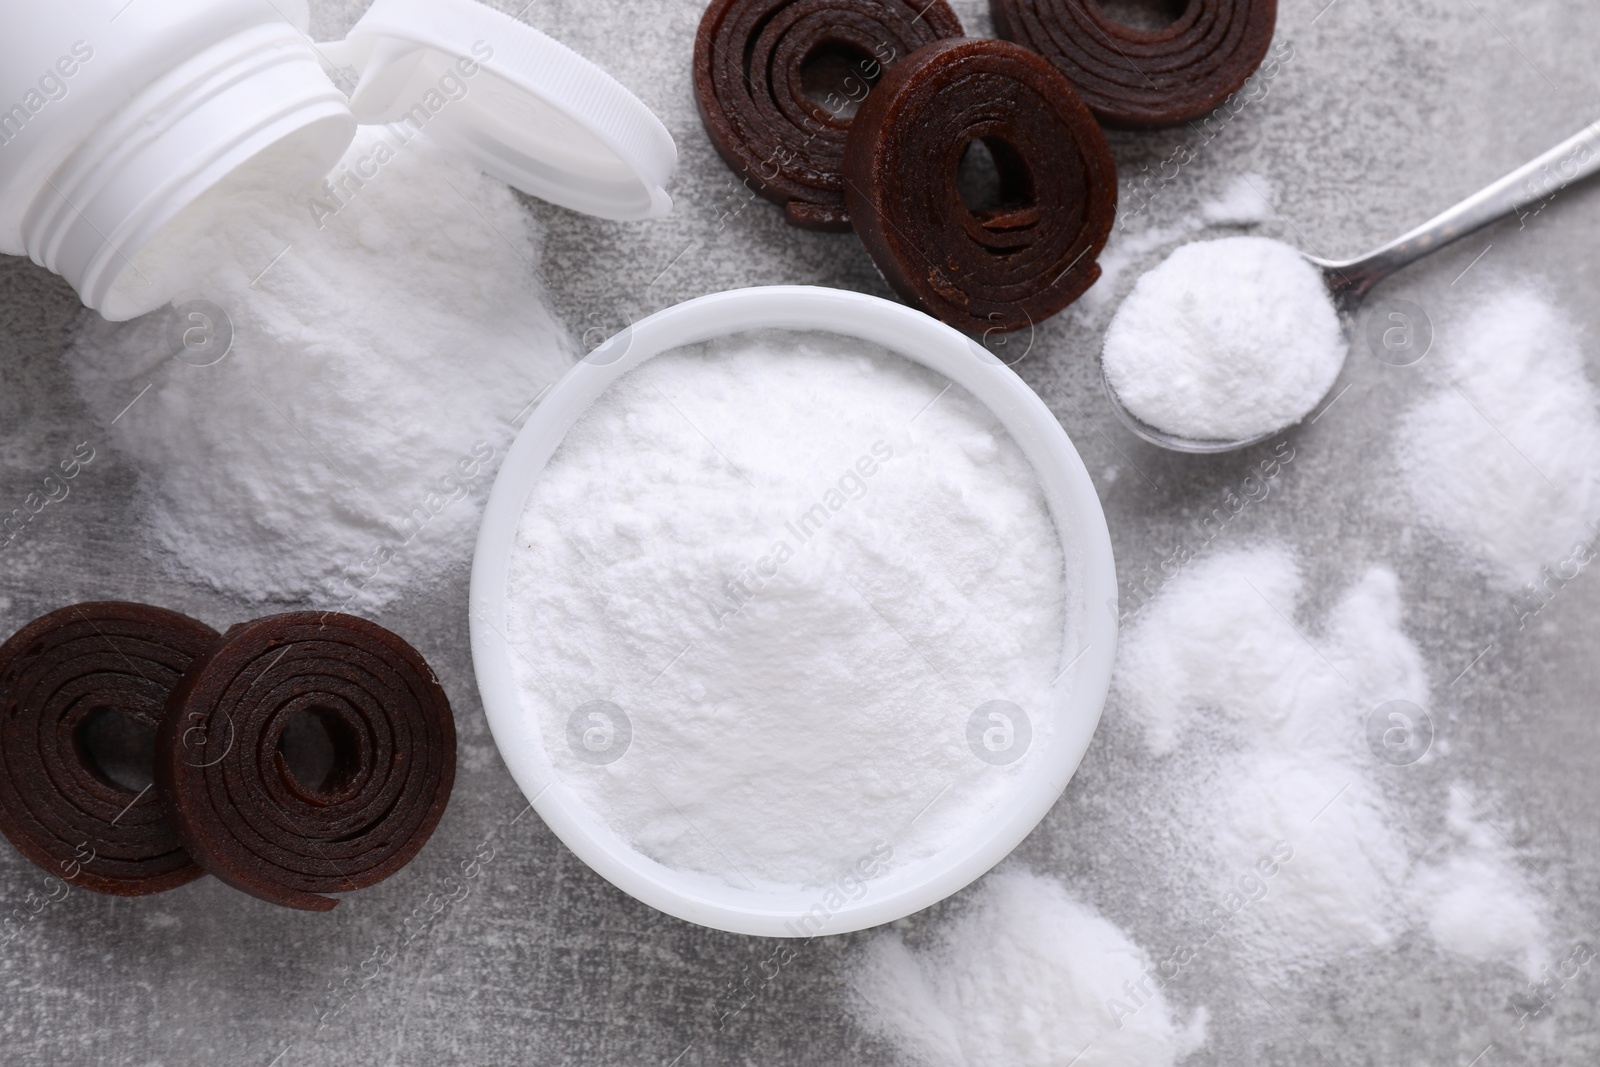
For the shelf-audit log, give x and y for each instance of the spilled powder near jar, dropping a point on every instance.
(332, 429)
(785, 570)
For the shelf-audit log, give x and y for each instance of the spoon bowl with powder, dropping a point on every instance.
(1229, 342)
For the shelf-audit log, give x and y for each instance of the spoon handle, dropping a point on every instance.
(1533, 183)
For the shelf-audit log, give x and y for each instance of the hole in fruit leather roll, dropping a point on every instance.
(117, 748)
(320, 751)
(778, 83)
(82, 692)
(307, 754)
(1001, 254)
(1155, 66)
(993, 178)
(834, 74)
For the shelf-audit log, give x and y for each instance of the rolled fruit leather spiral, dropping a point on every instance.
(999, 268)
(59, 675)
(239, 806)
(1145, 79)
(752, 62)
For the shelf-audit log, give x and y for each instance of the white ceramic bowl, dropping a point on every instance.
(1093, 631)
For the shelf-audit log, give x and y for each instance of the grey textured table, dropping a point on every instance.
(1385, 113)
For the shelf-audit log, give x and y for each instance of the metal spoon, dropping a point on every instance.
(1349, 280)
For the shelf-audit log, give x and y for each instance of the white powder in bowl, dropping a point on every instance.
(1225, 340)
(1026, 976)
(384, 336)
(795, 566)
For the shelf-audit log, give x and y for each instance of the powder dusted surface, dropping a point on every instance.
(1503, 459)
(798, 566)
(1026, 976)
(341, 449)
(1225, 340)
(1246, 201)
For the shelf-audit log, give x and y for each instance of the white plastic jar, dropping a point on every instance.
(116, 117)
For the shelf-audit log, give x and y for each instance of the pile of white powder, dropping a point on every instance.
(386, 331)
(1025, 976)
(1225, 340)
(797, 566)
(1269, 719)
(1503, 459)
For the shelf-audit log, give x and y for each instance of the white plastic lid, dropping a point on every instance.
(521, 105)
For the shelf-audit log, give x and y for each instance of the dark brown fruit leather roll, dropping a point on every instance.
(996, 269)
(58, 675)
(241, 811)
(750, 59)
(1145, 79)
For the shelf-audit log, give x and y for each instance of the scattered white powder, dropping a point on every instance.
(1247, 201)
(1218, 640)
(797, 569)
(1478, 903)
(341, 448)
(1124, 250)
(1340, 892)
(1504, 460)
(1175, 666)
(1168, 669)
(1225, 340)
(1273, 716)
(1026, 976)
